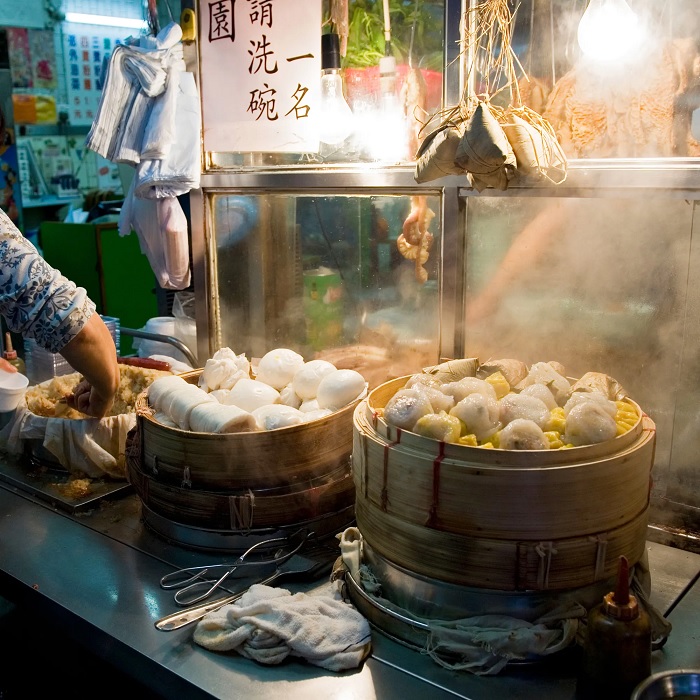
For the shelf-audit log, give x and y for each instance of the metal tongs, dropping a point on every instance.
(197, 583)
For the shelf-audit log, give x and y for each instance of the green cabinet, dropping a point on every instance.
(116, 275)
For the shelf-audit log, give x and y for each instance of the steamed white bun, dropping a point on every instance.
(278, 367)
(307, 379)
(339, 388)
(250, 394)
(289, 397)
(276, 416)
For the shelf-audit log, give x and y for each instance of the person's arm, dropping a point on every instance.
(6, 366)
(92, 353)
(527, 249)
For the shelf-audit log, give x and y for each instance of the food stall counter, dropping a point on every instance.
(97, 575)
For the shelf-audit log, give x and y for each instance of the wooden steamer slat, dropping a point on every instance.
(241, 482)
(528, 520)
(244, 510)
(233, 461)
(507, 565)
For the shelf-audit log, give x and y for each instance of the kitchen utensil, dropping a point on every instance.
(298, 567)
(678, 683)
(194, 587)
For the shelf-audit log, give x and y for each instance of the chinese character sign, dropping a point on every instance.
(260, 70)
(86, 50)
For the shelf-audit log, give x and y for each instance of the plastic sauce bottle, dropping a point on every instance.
(11, 355)
(617, 652)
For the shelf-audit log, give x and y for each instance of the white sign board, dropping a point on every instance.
(260, 67)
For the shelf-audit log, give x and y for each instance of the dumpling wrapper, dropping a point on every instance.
(589, 423)
(479, 413)
(405, 407)
(213, 417)
(523, 434)
(468, 385)
(515, 406)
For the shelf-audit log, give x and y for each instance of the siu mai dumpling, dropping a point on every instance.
(522, 434)
(405, 407)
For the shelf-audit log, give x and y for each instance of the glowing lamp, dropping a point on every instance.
(337, 121)
(609, 30)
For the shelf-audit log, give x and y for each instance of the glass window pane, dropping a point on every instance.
(328, 277)
(553, 279)
(620, 82)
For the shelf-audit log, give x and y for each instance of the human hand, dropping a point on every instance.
(6, 366)
(86, 399)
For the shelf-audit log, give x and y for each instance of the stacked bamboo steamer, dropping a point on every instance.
(241, 484)
(544, 520)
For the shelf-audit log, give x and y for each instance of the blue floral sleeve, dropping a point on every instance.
(36, 300)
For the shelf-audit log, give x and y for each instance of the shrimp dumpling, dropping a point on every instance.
(439, 426)
(544, 373)
(523, 434)
(523, 406)
(542, 392)
(578, 397)
(480, 415)
(587, 423)
(468, 385)
(405, 407)
(438, 400)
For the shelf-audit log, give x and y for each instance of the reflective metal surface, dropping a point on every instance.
(97, 576)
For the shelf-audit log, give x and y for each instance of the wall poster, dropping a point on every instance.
(86, 49)
(260, 75)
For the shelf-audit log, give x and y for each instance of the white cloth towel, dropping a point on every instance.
(268, 624)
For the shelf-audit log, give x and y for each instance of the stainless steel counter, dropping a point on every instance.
(97, 575)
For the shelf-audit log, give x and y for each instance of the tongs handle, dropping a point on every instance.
(188, 594)
(184, 617)
(180, 619)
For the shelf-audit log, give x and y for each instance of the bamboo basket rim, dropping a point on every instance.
(469, 453)
(144, 410)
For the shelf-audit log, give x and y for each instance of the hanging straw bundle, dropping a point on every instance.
(490, 143)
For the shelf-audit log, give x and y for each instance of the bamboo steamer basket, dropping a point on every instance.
(243, 483)
(500, 519)
(260, 459)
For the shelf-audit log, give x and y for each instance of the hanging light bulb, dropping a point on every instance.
(337, 121)
(609, 30)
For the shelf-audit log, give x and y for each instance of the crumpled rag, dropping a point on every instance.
(269, 624)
